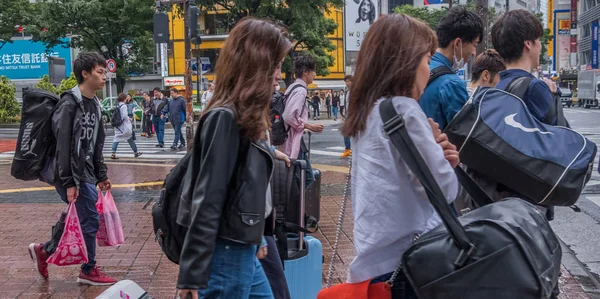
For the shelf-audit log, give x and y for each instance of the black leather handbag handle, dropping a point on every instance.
(394, 127)
(479, 196)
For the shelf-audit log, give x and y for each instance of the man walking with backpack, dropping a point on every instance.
(295, 114)
(79, 132)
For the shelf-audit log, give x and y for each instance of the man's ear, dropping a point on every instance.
(528, 45)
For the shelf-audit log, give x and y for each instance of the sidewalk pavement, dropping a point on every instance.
(29, 209)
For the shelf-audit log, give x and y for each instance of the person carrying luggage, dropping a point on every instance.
(520, 47)
(388, 217)
(231, 168)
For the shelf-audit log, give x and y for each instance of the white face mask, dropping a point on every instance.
(458, 64)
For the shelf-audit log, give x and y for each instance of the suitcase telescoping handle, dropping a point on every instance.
(395, 127)
(301, 202)
(309, 133)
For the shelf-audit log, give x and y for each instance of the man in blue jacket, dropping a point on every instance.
(176, 111)
(458, 33)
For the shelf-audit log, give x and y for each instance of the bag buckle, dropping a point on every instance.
(464, 255)
(394, 124)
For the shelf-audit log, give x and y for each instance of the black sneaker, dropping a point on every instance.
(159, 145)
(174, 148)
(181, 147)
(138, 154)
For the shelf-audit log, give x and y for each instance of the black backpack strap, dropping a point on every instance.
(519, 86)
(282, 179)
(438, 72)
(479, 196)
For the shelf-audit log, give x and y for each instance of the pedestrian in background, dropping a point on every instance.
(328, 104)
(335, 105)
(160, 102)
(125, 131)
(176, 112)
(316, 103)
(148, 107)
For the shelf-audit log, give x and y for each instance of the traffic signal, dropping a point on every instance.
(193, 15)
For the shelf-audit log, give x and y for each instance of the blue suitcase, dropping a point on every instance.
(304, 265)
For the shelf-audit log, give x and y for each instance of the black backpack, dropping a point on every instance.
(115, 116)
(168, 233)
(279, 132)
(36, 142)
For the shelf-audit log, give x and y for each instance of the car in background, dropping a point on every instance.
(566, 97)
(109, 102)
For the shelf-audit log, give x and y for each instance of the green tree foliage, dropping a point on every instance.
(67, 84)
(9, 107)
(430, 16)
(45, 84)
(545, 39)
(12, 14)
(306, 22)
(118, 29)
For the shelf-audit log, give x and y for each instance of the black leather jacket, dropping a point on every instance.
(70, 156)
(230, 175)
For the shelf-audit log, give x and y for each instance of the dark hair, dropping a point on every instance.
(512, 30)
(489, 60)
(249, 57)
(387, 65)
(121, 97)
(87, 61)
(157, 89)
(348, 77)
(304, 63)
(459, 23)
(174, 90)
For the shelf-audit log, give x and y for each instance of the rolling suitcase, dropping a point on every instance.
(312, 206)
(304, 262)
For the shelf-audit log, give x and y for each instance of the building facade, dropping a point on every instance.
(215, 27)
(588, 18)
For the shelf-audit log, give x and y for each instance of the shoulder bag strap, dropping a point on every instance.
(438, 72)
(395, 128)
(479, 196)
(519, 86)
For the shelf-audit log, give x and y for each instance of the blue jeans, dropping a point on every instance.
(131, 142)
(236, 273)
(88, 218)
(178, 134)
(347, 142)
(159, 127)
(334, 110)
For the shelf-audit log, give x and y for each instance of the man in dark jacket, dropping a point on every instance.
(160, 102)
(176, 111)
(79, 132)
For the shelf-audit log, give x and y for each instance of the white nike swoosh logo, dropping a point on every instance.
(510, 120)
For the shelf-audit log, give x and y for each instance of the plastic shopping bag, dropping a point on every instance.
(71, 249)
(110, 232)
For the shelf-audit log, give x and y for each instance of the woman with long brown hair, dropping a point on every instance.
(231, 164)
(390, 205)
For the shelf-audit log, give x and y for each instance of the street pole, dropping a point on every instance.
(199, 74)
(188, 77)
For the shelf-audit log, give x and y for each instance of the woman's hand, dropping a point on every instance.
(262, 253)
(450, 152)
(187, 294)
(435, 128)
(283, 157)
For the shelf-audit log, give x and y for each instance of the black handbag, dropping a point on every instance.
(506, 249)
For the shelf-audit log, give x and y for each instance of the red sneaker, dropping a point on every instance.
(39, 257)
(95, 278)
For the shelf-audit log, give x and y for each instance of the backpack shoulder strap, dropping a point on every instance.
(519, 86)
(438, 72)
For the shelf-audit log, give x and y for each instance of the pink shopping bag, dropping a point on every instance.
(110, 232)
(71, 249)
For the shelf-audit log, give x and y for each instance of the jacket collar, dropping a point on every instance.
(78, 96)
(440, 58)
